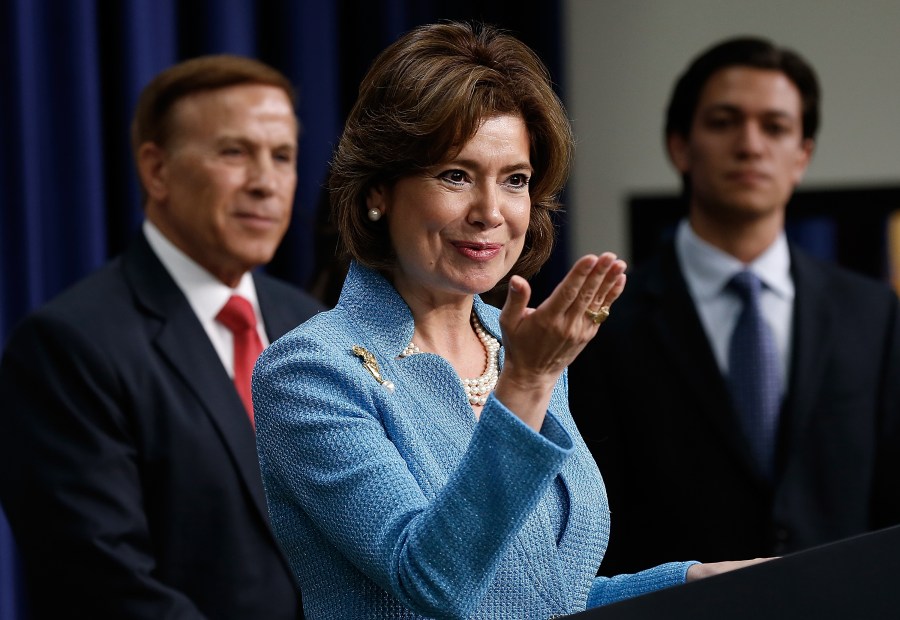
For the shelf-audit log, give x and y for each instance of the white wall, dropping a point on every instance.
(623, 57)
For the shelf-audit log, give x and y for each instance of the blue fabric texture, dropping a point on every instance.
(399, 503)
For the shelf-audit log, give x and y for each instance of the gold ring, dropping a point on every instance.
(599, 316)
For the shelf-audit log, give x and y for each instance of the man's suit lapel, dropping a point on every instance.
(279, 317)
(813, 320)
(677, 323)
(182, 341)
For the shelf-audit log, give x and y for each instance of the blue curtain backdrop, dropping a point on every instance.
(71, 72)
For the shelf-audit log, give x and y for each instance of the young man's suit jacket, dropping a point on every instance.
(654, 408)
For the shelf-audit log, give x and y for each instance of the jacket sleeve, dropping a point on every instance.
(324, 448)
(70, 480)
(607, 590)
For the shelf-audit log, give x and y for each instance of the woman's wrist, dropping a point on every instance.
(527, 399)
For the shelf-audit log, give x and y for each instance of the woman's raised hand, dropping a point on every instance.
(540, 342)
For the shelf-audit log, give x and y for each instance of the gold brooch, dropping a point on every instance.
(370, 364)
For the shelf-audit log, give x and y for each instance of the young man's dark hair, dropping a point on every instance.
(742, 52)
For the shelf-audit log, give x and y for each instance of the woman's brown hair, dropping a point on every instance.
(423, 98)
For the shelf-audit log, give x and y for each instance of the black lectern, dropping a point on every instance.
(855, 578)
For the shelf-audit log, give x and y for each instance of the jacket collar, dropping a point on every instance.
(382, 314)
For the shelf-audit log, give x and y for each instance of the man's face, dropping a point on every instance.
(223, 188)
(746, 151)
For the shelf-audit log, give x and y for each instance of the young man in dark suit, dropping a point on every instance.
(695, 467)
(128, 465)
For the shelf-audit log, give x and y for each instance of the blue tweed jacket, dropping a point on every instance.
(399, 503)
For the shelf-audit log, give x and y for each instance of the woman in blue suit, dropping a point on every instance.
(414, 466)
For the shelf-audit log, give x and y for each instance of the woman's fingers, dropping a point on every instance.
(610, 287)
(613, 284)
(551, 335)
(577, 288)
(516, 304)
(587, 291)
(582, 298)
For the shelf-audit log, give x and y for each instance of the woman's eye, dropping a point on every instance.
(518, 180)
(457, 177)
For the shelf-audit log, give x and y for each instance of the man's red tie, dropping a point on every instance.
(237, 315)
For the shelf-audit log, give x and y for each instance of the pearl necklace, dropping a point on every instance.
(477, 389)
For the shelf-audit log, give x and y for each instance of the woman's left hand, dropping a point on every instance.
(702, 571)
(541, 342)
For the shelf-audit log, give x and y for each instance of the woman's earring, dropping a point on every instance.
(374, 214)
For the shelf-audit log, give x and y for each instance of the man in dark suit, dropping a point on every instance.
(695, 471)
(128, 465)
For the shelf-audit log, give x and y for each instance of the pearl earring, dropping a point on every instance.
(374, 214)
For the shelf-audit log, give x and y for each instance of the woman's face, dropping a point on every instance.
(459, 227)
